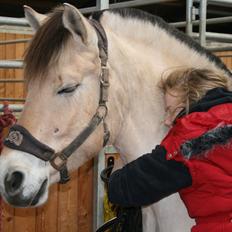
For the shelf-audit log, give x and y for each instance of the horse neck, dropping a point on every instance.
(135, 102)
(136, 67)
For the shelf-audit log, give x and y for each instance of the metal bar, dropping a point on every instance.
(216, 36)
(126, 4)
(202, 26)
(12, 99)
(98, 210)
(224, 3)
(220, 49)
(11, 80)
(13, 21)
(14, 41)
(16, 30)
(221, 2)
(88, 10)
(137, 3)
(13, 107)
(102, 4)
(11, 64)
(189, 25)
(208, 21)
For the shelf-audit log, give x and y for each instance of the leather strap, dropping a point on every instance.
(19, 138)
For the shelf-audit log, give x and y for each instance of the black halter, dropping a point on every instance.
(20, 139)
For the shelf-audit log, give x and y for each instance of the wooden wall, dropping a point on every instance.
(70, 206)
(226, 57)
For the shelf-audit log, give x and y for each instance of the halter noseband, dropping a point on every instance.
(20, 139)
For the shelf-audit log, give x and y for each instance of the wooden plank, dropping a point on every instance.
(229, 59)
(46, 216)
(24, 220)
(19, 51)
(85, 198)
(7, 218)
(25, 47)
(230, 64)
(2, 71)
(67, 208)
(226, 58)
(10, 73)
(7, 211)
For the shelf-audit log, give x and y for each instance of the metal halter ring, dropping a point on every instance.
(58, 161)
(102, 105)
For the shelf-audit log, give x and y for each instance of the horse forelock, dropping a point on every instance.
(46, 46)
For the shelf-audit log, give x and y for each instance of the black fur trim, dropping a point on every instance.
(198, 146)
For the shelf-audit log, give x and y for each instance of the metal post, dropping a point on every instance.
(99, 165)
(99, 189)
(102, 4)
(189, 12)
(203, 15)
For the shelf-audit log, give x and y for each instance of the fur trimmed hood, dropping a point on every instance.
(198, 147)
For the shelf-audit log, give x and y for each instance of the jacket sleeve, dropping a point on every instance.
(148, 179)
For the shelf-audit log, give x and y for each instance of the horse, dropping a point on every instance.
(63, 71)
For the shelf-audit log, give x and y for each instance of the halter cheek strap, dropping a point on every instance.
(21, 139)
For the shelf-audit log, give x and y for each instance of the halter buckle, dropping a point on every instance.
(104, 76)
(58, 161)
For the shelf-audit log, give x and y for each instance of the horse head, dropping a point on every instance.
(62, 71)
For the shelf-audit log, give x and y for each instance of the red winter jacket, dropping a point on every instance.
(194, 159)
(209, 198)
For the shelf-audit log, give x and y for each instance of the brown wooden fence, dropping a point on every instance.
(70, 206)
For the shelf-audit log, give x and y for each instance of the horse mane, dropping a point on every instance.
(46, 46)
(172, 31)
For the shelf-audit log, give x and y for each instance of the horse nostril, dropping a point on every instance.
(13, 182)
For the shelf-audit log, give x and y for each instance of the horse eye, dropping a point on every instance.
(69, 89)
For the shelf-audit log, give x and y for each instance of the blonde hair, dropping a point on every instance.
(192, 84)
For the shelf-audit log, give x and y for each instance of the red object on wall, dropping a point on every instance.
(7, 119)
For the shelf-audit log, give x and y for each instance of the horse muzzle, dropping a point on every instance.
(16, 192)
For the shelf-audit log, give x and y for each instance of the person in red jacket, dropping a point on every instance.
(195, 157)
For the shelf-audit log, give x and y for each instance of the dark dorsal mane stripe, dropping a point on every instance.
(155, 20)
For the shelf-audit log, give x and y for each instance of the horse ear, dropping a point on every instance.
(77, 24)
(34, 18)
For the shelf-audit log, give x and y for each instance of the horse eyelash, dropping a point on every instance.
(68, 89)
